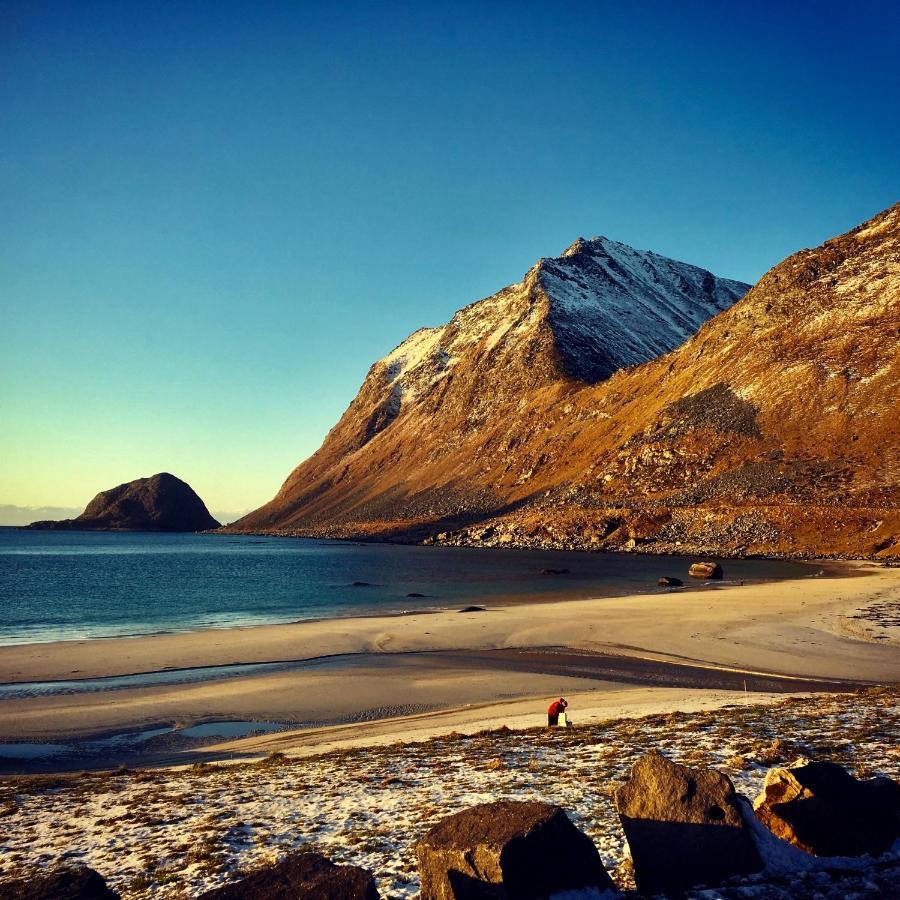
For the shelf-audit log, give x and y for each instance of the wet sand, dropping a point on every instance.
(774, 637)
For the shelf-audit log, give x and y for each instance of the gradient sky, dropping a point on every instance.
(216, 216)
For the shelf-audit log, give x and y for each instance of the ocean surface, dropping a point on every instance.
(67, 585)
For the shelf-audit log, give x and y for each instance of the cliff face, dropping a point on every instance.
(160, 503)
(773, 429)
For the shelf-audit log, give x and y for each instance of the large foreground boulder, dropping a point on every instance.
(684, 826)
(705, 570)
(70, 883)
(300, 876)
(508, 850)
(822, 809)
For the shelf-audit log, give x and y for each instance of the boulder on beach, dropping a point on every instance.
(683, 825)
(822, 809)
(513, 850)
(705, 570)
(468, 609)
(67, 883)
(669, 581)
(300, 876)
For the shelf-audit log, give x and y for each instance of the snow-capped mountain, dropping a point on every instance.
(772, 429)
(606, 304)
(572, 320)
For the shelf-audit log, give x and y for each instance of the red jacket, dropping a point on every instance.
(556, 708)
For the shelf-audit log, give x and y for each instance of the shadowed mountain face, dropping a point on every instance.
(773, 429)
(160, 503)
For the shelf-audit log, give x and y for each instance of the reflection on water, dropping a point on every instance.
(19, 690)
(132, 741)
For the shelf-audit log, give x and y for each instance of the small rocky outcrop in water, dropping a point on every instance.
(300, 876)
(706, 570)
(74, 883)
(684, 826)
(159, 503)
(669, 581)
(822, 809)
(508, 849)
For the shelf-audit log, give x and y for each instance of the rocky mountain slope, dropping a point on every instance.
(159, 503)
(773, 429)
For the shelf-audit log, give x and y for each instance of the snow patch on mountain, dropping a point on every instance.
(607, 304)
(613, 306)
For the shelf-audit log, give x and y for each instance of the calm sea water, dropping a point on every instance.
(66, 585)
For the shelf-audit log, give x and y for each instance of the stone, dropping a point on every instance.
(705, 570)
(555, 572)
(683, 825)
(822, 809)
(471, 609)
(159, 503)
(68, 883)
(300, 876)
(669, 581)
(508, 850)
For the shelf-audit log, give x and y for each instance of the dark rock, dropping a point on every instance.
(300, 876)
(473, 609)
(414, 594)
(822, 809)
(507, 850)
(361, 584)
(683, 825)
(705, 570)
(159, 503)
(75, 883)
(669, 581)
(555, 572)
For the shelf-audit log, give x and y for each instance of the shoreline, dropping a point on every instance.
(358, 673)
(562, 592)
(267, 643)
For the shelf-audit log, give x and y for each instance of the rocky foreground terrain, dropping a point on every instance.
(540, 417)
(159, 503)
(173, 834)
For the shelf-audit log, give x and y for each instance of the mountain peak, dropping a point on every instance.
(572, 320)
(612, 306)
(575, 248)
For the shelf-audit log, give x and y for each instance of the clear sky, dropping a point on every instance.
(216, 216)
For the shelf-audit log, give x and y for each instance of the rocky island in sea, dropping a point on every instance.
(159, 503)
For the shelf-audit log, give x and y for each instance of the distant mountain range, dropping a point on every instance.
(25, 515)
(582, 407)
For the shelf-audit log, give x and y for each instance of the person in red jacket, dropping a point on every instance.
(553, 711)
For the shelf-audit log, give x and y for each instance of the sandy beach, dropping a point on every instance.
(381, 677)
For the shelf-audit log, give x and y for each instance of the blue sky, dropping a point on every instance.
(216, 216)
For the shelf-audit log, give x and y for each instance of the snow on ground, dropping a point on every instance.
(173, 833)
